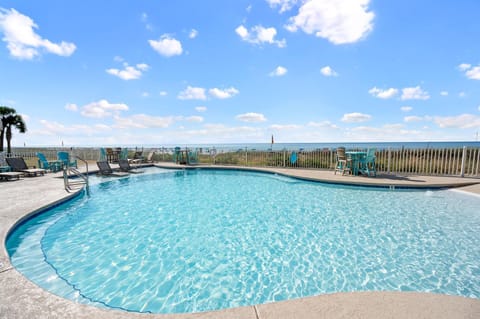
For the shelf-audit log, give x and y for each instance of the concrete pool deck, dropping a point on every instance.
(20, 298)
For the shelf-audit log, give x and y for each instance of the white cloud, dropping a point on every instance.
(406, 108)
(479, 107)
(23, 42)
(471, 72)
(464, 66)
(71, 107)
(163, 93)
(102, 108)
(462, 94)
(463, 121)
(194, 119)
(323, 124)
(283, 127)
(414, 93)
(251, 117)
(284, 5)
(279, 71)
(166, 46)
(129, 72)
(339, 22)
(444, 93)
(413, 118)
(260, 35)
(328, 71)
(143, 121)
(355, 117)
(223, 94)
(193, 34)
(200, 108)
(383, 94)
(192, 93)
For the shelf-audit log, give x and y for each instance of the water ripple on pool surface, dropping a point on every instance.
(203, 240)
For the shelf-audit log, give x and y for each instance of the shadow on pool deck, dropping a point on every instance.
(20, 298)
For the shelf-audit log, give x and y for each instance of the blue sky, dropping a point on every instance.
(217, 71)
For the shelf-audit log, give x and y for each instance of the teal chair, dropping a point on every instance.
(124, 154)
(53, 166)
(192, 157)
(103, 155)
(64, 157)
(367, 163)
(3, 163)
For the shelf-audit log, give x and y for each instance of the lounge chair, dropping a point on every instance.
(105, 170)
(137, 157)
(125, 167)
(3, 164)
(343, 163)
(149, 158)
(18, 165)
(53, 166)
(8, 176)
(64, 157)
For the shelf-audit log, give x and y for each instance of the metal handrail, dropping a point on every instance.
(76, 172)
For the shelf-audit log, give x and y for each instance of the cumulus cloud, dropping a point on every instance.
(279, 71)
(462, 121)
(129, 72)
(251, 117)
(414, 93)
(22, 40)
(166, 46)
(471, 72)
(163, 93)
(192, 93)
(339, 22)
(328, 71)
(444, 93)
(223, 94)
(383, 94)
(260, 35)
(200, 108)
(406, 108)
(355, 117)
(284, 5)
(194, 119)
(102, 108)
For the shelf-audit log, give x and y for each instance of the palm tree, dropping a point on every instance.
(17, 122)
(9, 118)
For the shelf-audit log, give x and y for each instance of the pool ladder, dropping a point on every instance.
(79, 179)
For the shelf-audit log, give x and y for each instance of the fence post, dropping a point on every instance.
(462, 170)
(246, 156)
(284, 157)
(389, 156)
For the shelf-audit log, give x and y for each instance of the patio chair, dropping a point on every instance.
(64, 157)
(343, 163)
(53, 166)
(103, 155)
(367, 163)
(18, 165)
(138, 157)
(125, 167)
(104, 169)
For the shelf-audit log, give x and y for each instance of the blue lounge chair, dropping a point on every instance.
(64, 157)
(53, 166)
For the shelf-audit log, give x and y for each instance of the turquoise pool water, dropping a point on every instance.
(191, 241)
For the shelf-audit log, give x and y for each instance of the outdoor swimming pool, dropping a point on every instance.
(190, 241)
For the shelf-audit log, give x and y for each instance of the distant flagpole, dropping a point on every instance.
(271, 146)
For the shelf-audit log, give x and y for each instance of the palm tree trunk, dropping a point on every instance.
(9, 139)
